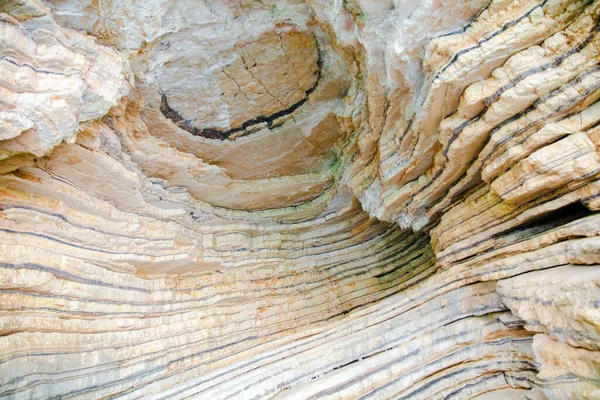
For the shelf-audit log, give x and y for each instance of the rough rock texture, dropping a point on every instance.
(300, 199)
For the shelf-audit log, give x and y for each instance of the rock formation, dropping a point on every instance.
(300, 199)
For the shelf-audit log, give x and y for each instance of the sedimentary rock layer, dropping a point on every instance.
(300, 199)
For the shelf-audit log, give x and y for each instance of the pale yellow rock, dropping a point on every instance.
(301, 199)
(566, 372)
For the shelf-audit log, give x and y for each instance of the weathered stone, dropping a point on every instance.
(300, 199)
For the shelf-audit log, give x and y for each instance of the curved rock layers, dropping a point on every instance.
(300, 199)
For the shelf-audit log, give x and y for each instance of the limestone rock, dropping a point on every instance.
(300, 199)
(566, 372)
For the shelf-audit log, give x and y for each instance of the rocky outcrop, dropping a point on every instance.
(300, 199)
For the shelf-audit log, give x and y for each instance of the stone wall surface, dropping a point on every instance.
(268, 199)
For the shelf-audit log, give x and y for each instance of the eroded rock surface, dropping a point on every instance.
(300, 199)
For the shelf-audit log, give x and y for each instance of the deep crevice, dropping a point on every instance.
(551, 220)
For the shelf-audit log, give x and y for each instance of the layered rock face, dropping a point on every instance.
(300, 199)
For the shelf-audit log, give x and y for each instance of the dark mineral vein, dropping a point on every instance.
(212, 133)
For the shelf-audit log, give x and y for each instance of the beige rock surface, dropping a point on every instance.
(384, 199)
